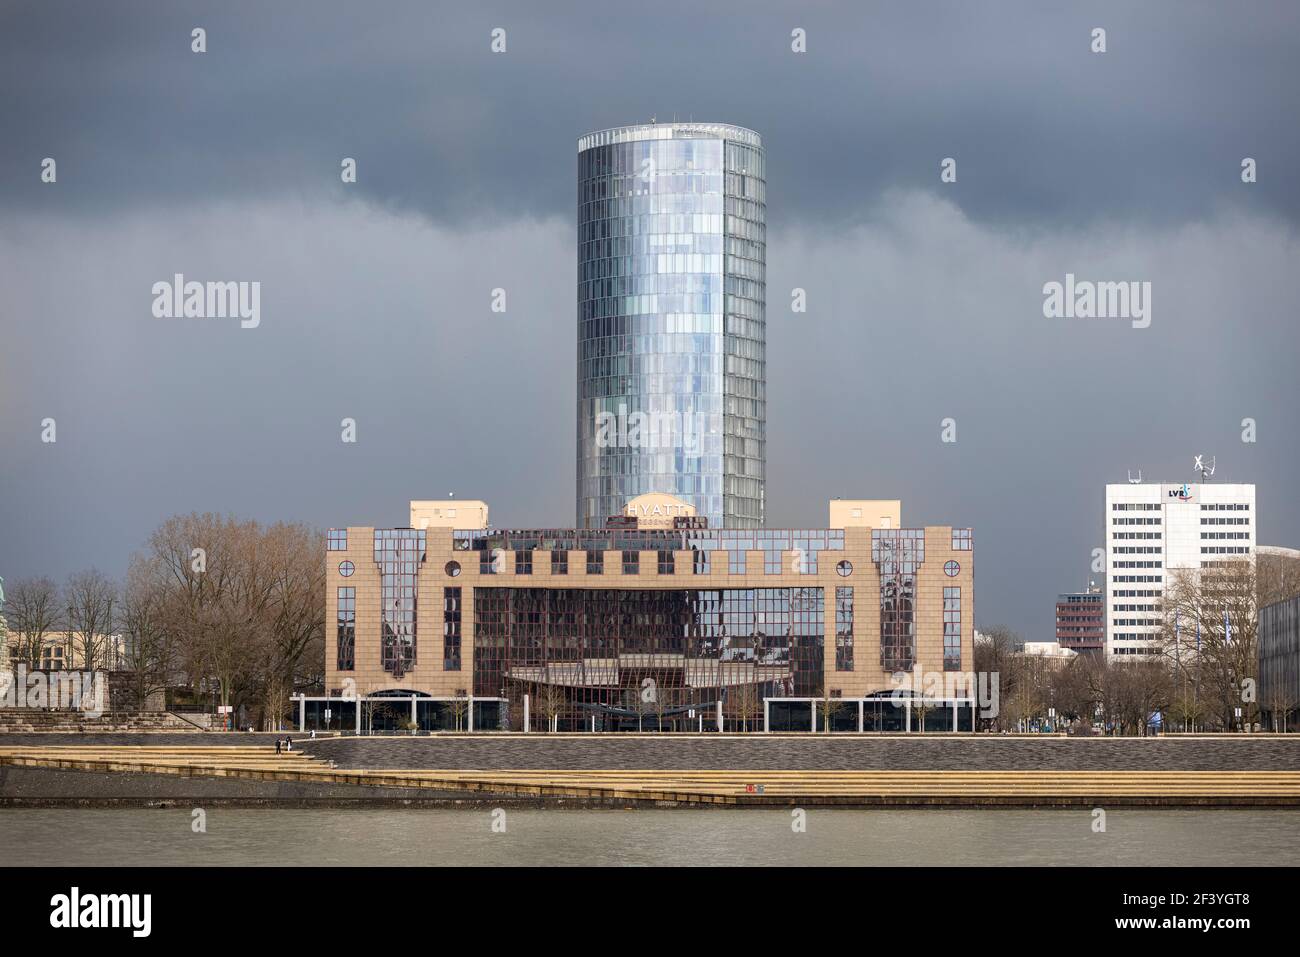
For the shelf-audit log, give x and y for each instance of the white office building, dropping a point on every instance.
(1154, 529)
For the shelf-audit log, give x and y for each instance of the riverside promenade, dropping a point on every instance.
(659, 770)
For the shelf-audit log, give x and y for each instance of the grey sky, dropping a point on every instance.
(924, 299)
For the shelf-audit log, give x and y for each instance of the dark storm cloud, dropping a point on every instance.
(924, 300)
(1043, 129)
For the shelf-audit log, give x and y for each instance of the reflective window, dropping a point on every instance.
(844, 629)
(951, 569)
(346, 628)
(898, 554)
(336, 540)
(346, 569)
(951, 628)
(591, 652)
(398, 553)
(451, 629)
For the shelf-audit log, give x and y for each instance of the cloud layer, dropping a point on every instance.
(925, 300)
(915, 316)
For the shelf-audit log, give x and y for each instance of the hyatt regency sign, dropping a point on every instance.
(656, 510)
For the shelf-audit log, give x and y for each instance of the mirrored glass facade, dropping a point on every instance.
(805, 544)
(898, 554)
(584, 654)
(398, 552)
(671, 323)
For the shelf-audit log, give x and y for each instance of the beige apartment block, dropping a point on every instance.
(66, 651)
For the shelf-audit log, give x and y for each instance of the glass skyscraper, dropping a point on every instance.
(671, 325)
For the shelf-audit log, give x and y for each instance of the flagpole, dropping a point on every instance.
(1196, 689)
(1178, 664)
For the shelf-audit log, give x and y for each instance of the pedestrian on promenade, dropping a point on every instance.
(277, 745)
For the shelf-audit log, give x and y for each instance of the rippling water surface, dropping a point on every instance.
(1135, 836)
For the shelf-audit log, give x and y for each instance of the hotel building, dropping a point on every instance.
(671, 380)
(655, 622)
(1155, 531)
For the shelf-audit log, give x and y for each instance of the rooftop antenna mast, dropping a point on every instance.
(1199, 465)
(1132, 480)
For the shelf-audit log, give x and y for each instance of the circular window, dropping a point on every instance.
(346, 569)
(453, 569)
(844, 569)
(951, 569)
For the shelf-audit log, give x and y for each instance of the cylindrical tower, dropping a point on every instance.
(671, 322)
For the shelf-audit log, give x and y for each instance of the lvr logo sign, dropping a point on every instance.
(1183, 493)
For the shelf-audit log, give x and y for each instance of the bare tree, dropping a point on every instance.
(243, 604)
(550, 702)
(1070, 693)
(459, 707)
(1129, 693)
(995, 656)
(1208, 637)
(1280, 702)
(149, 645)
(90, 599)
(1030, 687)
(830, 708)
(32, 609)
(746, 703)
(295, 622)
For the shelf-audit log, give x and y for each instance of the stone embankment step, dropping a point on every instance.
(32, 720)
(708, 787)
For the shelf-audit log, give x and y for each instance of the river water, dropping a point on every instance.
(831, 836)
